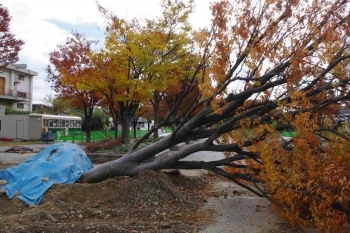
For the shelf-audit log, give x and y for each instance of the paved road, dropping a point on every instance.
(17, 158)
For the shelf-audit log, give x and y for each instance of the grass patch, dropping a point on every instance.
(287, 133)
(125, 148)
(115, 145)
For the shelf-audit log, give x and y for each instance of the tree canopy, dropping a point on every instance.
(261, 64)
(71, 66)
(9, 45)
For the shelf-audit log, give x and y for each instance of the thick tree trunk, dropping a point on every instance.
(126, 131)
(144, 159)
(126, 114)
(88, 129)
(130, 164)
(88, 116)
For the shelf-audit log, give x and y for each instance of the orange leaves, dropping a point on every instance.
(287, 69)
(72, 66)
(300, 43)
(220, 11)
(331, 36)
(260, 48)
(308, 183)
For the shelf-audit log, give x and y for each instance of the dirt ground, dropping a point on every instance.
(148, 202)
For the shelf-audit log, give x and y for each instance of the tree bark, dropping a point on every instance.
(88, 116)
(127, 112)
(156, 121)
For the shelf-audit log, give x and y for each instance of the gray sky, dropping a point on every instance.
(43, 24)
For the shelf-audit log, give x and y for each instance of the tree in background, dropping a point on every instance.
(139, 60)
(56, 106)
(71, 66)
(99, 120)
(9, 45)
(286, 61)
(146, 111)
(178, 101)
(173, 51)
(112, 80)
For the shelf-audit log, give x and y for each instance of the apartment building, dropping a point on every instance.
(16, 86)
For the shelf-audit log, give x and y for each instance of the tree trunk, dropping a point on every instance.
(114, 114)
(88, 117)
(88, 129)
(130, 164)
(134, 125)
(156, 121)
(127, 112)
(173, 119)
(115, 122)
(126, 130)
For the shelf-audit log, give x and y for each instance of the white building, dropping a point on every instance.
(16, 86)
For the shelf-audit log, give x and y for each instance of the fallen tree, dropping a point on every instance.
(282, 63)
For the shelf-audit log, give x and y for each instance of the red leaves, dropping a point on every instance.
(9, 46)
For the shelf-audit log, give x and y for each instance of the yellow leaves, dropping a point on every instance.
(206, 89)
(216, 107)
(237, 137)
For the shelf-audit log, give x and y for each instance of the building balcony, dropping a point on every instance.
(14, 95)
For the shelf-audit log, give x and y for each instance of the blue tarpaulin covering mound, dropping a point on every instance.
(57, 164)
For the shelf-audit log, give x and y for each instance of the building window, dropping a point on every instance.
(21, 94)
(20, 105)
(74, 123)
(21, 77)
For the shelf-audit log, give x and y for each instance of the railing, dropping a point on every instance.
(13, 93)
(97, 135)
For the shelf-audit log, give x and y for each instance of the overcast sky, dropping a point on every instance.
(43, 24)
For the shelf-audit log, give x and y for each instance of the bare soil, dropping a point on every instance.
(149, 202)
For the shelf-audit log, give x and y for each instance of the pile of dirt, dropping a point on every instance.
(149, 202)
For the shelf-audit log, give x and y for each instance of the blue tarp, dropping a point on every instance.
(57, 164)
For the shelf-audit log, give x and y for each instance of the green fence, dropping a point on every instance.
(77, 135)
